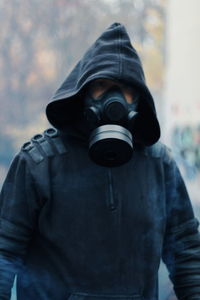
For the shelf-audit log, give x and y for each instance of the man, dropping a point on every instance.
(89, 207)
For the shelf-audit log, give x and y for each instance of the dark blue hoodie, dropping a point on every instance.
(111, 56)
(71, 229)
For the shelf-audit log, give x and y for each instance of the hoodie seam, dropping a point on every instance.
(120, 60)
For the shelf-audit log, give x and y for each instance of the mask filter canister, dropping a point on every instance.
(110, 145)
(110, 118)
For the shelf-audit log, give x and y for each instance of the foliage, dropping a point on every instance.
(42, 40)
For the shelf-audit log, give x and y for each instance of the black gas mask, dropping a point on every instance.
(111, 121)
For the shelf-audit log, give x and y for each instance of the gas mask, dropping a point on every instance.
(111, 122)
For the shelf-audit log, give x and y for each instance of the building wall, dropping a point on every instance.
(183, 63)
(182, 88)
(181, 111)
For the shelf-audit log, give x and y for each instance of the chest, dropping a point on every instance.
(85, 194)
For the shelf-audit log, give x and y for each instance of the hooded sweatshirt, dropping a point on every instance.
(113, 57)
(72, 229)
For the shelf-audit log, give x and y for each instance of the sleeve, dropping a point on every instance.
(181, 246)
(18, 216)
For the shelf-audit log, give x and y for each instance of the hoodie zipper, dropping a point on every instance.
(111, 200)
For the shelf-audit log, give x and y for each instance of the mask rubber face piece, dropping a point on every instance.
(110, 142)
(110, 107)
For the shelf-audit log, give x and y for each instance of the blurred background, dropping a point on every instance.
(42, 40)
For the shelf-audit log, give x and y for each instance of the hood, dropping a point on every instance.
(111, 56)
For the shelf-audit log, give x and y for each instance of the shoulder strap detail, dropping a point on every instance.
(30, 148)
(52, 133)
(44, 145)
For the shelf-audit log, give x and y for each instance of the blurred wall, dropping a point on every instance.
(181, 108)
(182, 94)
(183, 67)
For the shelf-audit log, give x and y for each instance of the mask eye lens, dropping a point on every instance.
(97, 88)
(130, 93)
(100, 86)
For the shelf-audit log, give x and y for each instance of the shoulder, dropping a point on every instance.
(44, 145)
(159, 150)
